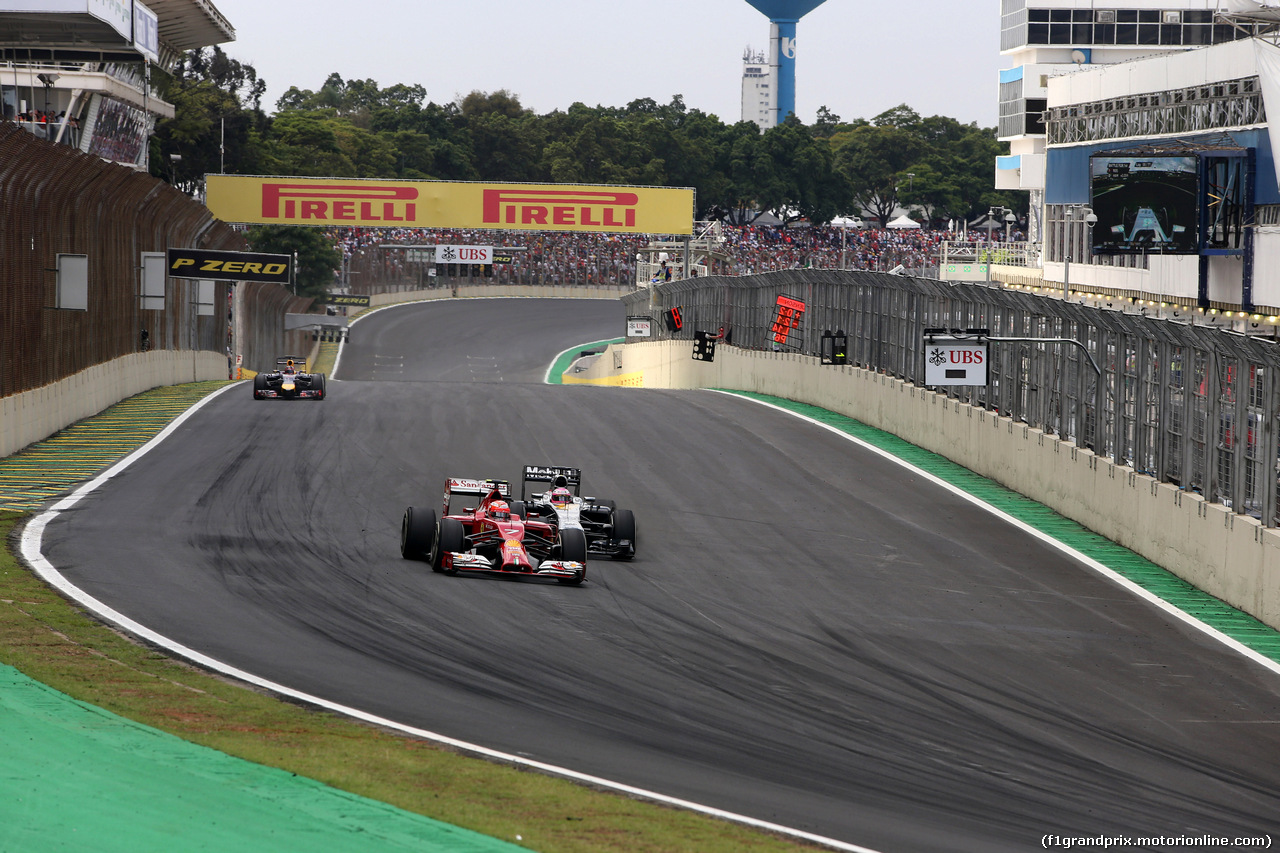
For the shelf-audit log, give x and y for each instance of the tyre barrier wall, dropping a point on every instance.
(260, 336)
(1228, 555)
(55, 200)
(60, 365)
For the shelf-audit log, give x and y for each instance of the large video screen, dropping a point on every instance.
(1144, 204)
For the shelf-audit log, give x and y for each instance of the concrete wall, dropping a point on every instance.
(1230, 556)
(37, 414)
(551, 291)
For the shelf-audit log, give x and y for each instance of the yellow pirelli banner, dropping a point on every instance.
(443, 204)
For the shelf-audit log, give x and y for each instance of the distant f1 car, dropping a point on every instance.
(492, 536)
(289, 381)
(610, 531)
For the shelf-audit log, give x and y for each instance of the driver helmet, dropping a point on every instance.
(288, 368)
(561, 497)
(500, 510)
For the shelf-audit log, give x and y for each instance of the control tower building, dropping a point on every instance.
(779, 84)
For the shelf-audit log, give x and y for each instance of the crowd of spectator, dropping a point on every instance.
(45, 124)
(583, 258)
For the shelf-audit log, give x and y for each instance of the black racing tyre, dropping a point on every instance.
(608, 502)
(573, 546)
(418, 534)
(519, 509)
(259, 385)
(624, 527)
(453, 537)
(317, 384)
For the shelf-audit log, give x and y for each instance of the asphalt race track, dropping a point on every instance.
(810, 635)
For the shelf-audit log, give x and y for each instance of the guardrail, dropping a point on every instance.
(1189, 405)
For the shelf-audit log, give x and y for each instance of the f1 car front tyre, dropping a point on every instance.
(259, 385)
(453, 537)
(573, 546)
(418, 534)
(624, 527)
(317, 384)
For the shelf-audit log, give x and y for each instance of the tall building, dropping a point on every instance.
(759, 87)
(1046, 38)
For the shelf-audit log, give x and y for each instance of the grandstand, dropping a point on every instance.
(81, 75)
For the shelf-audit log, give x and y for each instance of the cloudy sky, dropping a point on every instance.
(858, 58)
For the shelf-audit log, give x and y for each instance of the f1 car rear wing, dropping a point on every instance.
(455, 486)
(464, 486)
(298, 362)
(551, 474)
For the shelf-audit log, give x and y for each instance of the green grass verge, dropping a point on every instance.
(51, 640)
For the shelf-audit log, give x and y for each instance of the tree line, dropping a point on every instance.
(937, 167)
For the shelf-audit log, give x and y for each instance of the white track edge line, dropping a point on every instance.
(546, 379)
(1105, 571)
(30, 547)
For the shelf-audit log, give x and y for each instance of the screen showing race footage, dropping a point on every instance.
(1145, 204)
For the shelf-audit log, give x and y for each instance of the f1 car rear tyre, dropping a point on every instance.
(520, 509)
(453, 537)
(317, 383)
(259, 385)
(418, 534)
(624, 527)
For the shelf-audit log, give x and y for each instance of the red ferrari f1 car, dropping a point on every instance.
(492, 536)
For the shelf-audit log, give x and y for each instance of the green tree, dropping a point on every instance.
(217, 123)
(797, 178)
(874, 160)
(318, 259)
(307, 143)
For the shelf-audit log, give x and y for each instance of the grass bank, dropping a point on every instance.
(52, 641)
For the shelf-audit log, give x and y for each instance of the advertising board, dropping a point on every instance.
(444, 204)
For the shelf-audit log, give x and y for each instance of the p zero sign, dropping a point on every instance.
(227, 266)
(444, 204)
(952, 362)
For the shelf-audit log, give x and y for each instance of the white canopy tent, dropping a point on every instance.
(903, 221)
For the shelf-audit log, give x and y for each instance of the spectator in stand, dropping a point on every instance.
(588, 259)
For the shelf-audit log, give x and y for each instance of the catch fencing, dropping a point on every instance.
(55, 200)
(1186, 404)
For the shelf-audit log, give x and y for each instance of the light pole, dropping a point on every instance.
(1089, 218)
(1074, 213)
(48, 79)
(1009, 218)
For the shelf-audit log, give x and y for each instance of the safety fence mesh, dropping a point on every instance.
(1186, 404)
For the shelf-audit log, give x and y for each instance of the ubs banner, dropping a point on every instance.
(442, 204)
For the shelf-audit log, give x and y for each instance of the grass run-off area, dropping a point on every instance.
(53, 641)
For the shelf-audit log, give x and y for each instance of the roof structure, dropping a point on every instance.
(79, 35)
